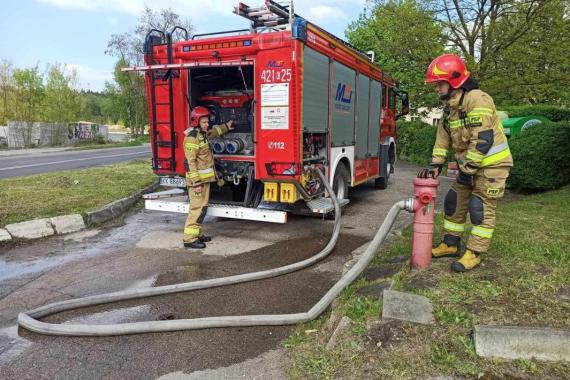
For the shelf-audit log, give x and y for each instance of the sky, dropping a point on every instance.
(76, 32)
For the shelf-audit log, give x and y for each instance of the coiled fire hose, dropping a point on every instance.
(29, 319)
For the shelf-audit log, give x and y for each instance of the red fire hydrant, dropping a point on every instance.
(425, 192)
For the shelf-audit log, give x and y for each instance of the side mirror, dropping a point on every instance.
(403, 95)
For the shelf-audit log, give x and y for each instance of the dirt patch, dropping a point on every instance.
(386, 335)
(382, 271)
(422, 283)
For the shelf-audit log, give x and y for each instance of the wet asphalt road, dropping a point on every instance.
(16, 165)
(146, 251)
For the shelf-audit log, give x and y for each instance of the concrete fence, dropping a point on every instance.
(20, 134)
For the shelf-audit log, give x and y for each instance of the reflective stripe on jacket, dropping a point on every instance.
(199, 154)
(478, 139)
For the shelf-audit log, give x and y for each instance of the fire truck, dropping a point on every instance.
(299, 98)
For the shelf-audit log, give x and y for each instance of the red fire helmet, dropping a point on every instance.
(449, 68)
(197, 113)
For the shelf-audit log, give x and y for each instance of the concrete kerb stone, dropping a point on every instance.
(344, 323)
(38, 228)
(513, 342)
(117, 208)
(67, 223)
(31, 229)
(407, 307)
(4, 235)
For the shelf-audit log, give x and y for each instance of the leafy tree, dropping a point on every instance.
(6, 90)
(95, 107)
(62, 101)
(534, 69)
(128, 100)
(29, 97)
(482, 29)
(129, 46)
(405, 39)
(128, 94)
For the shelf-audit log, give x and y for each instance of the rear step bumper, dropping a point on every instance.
(174, 200)
(220, 211)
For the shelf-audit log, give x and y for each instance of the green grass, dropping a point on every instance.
(518, 283)
(89, 145)
(68, 192)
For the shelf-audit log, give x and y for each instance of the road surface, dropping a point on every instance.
(16, 165)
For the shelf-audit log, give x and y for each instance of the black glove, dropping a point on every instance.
(464, 179)
(432, 172)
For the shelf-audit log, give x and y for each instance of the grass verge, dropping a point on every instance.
(522, 281)
(69, 192)
(91, 144)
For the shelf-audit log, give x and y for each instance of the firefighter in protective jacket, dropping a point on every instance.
(471, 126)
(201, 172)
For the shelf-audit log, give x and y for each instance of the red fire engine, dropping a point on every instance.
(299, 97)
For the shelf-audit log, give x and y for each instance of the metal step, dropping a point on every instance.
(165, 194)
(324, 205)
(219, 210)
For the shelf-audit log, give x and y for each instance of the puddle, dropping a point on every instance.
(55, 252)
(82, 235)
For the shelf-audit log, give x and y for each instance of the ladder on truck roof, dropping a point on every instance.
(269, 15)
(273, 15)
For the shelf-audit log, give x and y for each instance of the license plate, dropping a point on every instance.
(169, 181)
(507, 131)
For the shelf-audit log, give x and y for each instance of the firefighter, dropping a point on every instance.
(471, 126)
(201, 172)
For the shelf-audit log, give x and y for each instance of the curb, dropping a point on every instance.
(64, 224)
(116, 208)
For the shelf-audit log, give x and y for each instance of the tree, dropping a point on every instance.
(6, 90)
(482, 29)
(129, 46)
(533, 69)
(29, 97)
(62, 101)
(128, 100)
(405, 39)
(128, 95)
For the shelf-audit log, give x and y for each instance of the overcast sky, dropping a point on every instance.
(75, 32)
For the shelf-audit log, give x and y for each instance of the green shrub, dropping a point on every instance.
(554, 113)
(415, 141)
(541, 157)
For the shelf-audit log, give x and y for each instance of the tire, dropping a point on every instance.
(382, 182)
(341, 181)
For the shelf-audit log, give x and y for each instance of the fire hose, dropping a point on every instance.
(30, 319)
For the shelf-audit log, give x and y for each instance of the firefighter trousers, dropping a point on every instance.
(197, 213)
(480, 201)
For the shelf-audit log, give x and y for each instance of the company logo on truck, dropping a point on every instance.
(275, 64)
(343, 98)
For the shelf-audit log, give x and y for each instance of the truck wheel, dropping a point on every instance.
(382, 182)
(341, 181)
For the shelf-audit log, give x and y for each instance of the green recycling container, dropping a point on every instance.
(515, 125)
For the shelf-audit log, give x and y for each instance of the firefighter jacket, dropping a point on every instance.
(199, 155)
(471, 126)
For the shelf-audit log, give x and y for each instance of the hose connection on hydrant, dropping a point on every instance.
(423, 207)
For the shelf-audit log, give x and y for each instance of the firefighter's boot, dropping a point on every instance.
(205, 238)
(444, 250)
(195, 245)
(468, 261)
